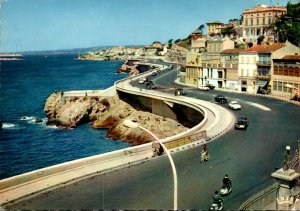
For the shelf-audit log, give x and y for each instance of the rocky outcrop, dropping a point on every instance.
(108, 113)
(131, 69)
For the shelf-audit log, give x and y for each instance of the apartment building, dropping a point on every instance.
(286, 77)
(257, 22)
(193, 69)
(212, 71)
(214, 27)
(255, 69)
(229, 64)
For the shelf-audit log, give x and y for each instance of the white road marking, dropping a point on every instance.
(259, 106)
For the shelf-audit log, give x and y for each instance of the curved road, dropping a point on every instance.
(249, 157)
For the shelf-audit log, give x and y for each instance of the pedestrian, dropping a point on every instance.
(226, 181)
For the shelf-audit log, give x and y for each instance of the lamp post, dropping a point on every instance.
(131, 124)
(286, 158)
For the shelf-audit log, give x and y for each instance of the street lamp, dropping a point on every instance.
(131, 124)
(286, 158)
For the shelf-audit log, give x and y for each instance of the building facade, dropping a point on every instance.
(229, 64)
(214, 27)
(257, 22)
(255, 69)
(286, 77)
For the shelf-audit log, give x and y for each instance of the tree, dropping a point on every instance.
(227, 31)
(177, 41)
(260, 39)
(287, 27)
(170, 43)
(201, 27)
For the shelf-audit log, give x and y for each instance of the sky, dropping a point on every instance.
(36, 25)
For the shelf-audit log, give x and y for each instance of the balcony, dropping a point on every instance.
(246, 77)
(264, 63)
(263, 77)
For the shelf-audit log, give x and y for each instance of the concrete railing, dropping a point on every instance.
(263, 199)
(82, 93)
(42, 179)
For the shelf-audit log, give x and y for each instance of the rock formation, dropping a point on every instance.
(109, 113)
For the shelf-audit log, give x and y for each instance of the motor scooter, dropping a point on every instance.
(225, 190)
(204, 156)
(217, 206)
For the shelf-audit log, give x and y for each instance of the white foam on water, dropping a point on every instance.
(27, 118)
(8, 125)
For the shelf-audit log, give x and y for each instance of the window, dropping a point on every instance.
(220, 74)
(275, 85)
(297, 72)
(284, 88)
(279, 86)
(291, 71)
(251, 22)
(276, 70)
(285, 71)
(263, 21)
(257, 21)
(242, 59)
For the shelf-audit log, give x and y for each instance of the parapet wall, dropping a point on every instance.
(24, 185)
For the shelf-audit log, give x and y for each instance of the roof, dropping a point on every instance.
(265, 8)
(266, 48)
(233, 51)
(292, 57)
(197, 31)
(214, 22)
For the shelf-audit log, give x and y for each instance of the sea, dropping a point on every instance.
(24, 87)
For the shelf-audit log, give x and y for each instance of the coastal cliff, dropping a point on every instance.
(108, 113)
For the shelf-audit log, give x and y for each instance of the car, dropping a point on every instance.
(154, 73)
(143, 80)
(180, 91)
(210, 86)
(221, 99)
(235, 105)
(204, 88)
(241, 123)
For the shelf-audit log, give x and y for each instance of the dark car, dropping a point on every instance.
(241, 123)
(221, 99)
(210, 86)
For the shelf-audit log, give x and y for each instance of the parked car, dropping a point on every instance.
(241, 123)
(143, 80)
(204, 88)
(154, 73)
(221, 99)
(210, 86)
(235, 105)
(179, 91)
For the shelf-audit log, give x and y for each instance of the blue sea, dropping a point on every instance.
(25, 86)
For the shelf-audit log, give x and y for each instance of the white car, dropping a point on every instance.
(235, 105)
(142, 80)
(204, 88)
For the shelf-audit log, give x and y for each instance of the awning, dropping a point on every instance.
(262, 83)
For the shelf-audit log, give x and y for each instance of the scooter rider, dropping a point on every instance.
(226, 181)
(217, 199)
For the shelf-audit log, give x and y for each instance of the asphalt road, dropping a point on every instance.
(247, 156)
